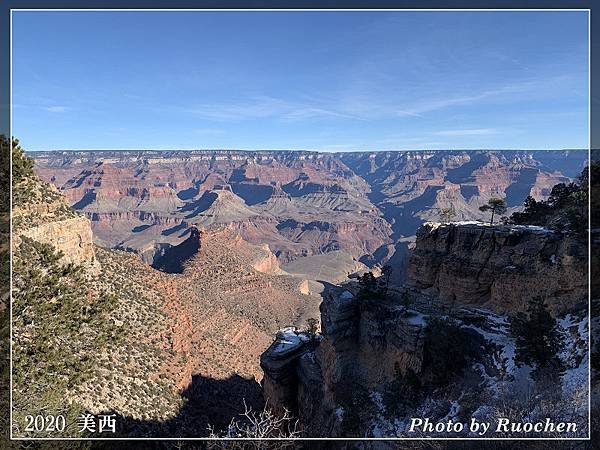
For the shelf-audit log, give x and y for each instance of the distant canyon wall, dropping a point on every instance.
(363, 204)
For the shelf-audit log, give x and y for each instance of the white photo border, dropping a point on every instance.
(588, 10)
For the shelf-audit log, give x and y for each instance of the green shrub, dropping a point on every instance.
(402, 393)
(566, 209)
(448, 349)
(58, 328)
(536, 336)
(22, 165)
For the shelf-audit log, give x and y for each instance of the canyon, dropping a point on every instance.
(186, 337)
(222, 262)
(365, 206)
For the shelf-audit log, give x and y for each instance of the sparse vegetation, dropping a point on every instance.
(386, 274)
(401, 394)
(29, 191)
(566, 209)
(357, 407)
(56, 330)
(253, 424)
(312, 326)
(83, 341)
(372, 288)
(448, 214)
(448, 349)
(22, 165)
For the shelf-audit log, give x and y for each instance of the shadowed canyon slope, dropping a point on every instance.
(366, 206)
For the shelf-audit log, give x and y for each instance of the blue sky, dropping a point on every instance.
(331, 81)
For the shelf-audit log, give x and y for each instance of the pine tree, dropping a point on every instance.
(496, 206)
(22, 165)
(536, 336)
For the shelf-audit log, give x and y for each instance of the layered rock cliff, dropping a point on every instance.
(366, 205)
(500, 267)
(363, 347)
(46, 217)
(439, 347)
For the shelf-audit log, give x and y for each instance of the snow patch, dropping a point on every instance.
(287, 340)
(416, 318)
(339, 413)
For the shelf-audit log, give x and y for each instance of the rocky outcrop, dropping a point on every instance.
(500, 267)
(49, 220)
(280, 365)
(73, 237)
(374, 342)
(363, 343)
(266, 261)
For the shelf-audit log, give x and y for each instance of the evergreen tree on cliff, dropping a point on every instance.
(566, 209)
(536, 337)
(22, 165)
(496, 205)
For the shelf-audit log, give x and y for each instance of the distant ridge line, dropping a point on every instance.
(228, 151)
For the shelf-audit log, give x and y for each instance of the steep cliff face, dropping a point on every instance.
(48, 219)
(500, 267)
(440, 346)
(363, 347)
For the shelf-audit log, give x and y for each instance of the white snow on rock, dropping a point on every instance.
(287, 339)
(533, 228)
(574, 354)
(416, 318)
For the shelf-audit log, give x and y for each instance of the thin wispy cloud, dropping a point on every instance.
(55, 109)
(264, 107)
(368, 103)
(467, 132)
(516, 92)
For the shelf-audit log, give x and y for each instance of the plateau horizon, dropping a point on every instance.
(261, 150)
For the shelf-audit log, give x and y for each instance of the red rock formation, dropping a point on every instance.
(300, 203)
